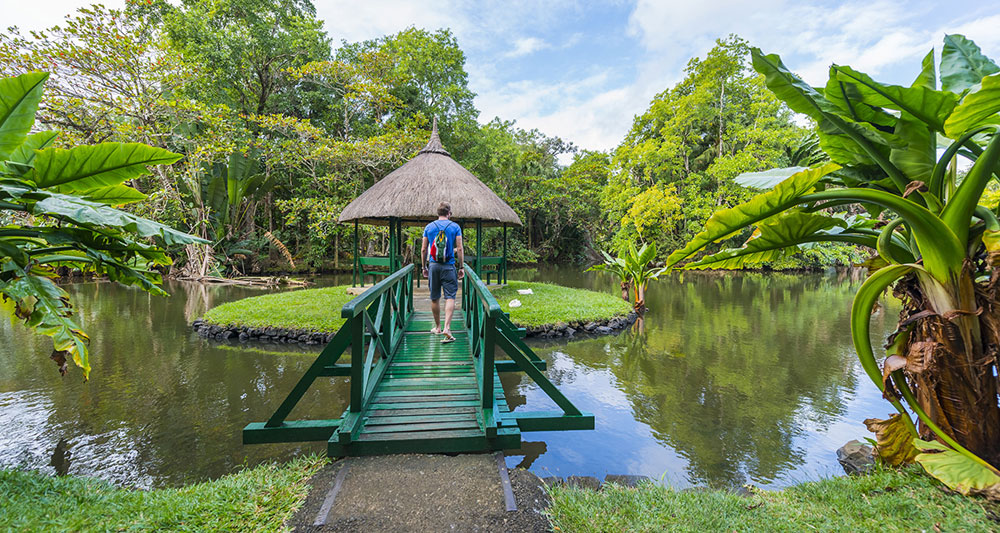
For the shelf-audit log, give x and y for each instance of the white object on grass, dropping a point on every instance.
(525, 291)
(514, 303)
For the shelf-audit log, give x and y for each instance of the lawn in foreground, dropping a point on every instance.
(306, 309)
(884, 501)
(256, 499)
(551, 304)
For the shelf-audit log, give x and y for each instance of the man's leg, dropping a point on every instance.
(434, 286)
(436, 311)
(449, 309)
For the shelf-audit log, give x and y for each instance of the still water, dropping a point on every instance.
(732, 379)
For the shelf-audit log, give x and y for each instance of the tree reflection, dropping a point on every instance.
(727, 369)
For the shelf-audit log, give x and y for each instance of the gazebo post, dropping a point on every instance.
(392, 245)
(504, 265)
(354, 271)
(479, 247)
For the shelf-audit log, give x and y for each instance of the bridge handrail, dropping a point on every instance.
(355, 307)
(481, 291)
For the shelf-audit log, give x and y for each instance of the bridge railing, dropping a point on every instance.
(375, 324)
(490, 328)
(481, 315)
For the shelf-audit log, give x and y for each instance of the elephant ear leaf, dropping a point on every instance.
(779, 237)
(114, 195)
(956, 470)
(19, 98)
(83, 168)
(25, 154)
(977, 109)
(726, 222)
(963, 64)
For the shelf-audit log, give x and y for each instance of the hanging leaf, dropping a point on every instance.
(895, 442)
(19, 98)
(726, 222)
(84, 168)
(25, 154)
(957, 471)
(918, 157)
(776, 239)
(963, 64)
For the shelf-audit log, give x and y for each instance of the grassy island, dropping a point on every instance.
(887, 500)
(257, 499)
(308, 309)
(551, 304)
(319, 309)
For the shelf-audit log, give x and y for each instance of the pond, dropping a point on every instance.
(734, 378)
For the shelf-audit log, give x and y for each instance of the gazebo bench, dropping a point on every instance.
(365, 263)
(494, 266)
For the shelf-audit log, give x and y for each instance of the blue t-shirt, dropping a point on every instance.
(451, 230)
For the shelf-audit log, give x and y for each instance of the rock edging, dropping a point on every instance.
(592, 483)
(261, 334)
(597, 327)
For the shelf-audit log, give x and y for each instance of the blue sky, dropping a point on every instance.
(583, 70)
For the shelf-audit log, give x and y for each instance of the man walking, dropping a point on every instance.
(442, 245)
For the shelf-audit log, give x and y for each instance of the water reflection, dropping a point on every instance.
(746, 378)
(731, 379)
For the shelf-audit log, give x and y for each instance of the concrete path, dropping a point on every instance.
(421, 493)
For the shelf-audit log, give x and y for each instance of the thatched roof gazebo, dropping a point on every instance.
(410, 196)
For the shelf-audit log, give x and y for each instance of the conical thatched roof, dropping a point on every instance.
(413, 191)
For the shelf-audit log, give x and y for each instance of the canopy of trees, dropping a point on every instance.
(279, 127)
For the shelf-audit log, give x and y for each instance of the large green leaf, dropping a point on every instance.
(956, 470)
(917, 158)
(775, 239)
(19, 98)
(82, 211)
(834, 127)
(963, 65)
(848, 97)
(84, 168)
(977, 109)
(767, 178)
(114, 195)
(927, 77)
(724, 223)
(926, 105)
(25, 153)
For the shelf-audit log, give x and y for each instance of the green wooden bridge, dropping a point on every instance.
(412, 394)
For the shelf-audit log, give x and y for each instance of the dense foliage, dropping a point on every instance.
(279, 128)
(937, 247)
(56, 213)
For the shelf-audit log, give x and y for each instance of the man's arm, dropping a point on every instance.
(459, 257)
(423, 255)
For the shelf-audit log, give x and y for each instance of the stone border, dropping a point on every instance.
(263, 334)
(592, 483)
(598, 327)
(310, 337)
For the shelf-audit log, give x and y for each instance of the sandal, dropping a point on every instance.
(435, 331)
(448, 338)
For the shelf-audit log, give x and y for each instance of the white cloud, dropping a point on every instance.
(526, 46)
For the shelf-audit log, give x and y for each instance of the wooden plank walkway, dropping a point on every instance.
(428, 399)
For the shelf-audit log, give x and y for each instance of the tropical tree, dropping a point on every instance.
(634, 269)
(616, 266)
(938, 249)
(56, 213)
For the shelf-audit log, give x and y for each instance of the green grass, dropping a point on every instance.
(551, 304)
(884, 501)
(256, 499)
(308, 309)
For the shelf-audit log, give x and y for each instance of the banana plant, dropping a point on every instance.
(937, 248)
(56, 207)
(616, 266)
(640, 273)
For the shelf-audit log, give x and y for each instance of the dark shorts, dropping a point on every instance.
(443, 277)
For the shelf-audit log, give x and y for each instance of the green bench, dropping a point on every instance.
(492, 267)
(367, 266)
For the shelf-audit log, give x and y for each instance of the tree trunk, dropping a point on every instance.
(951, 359)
